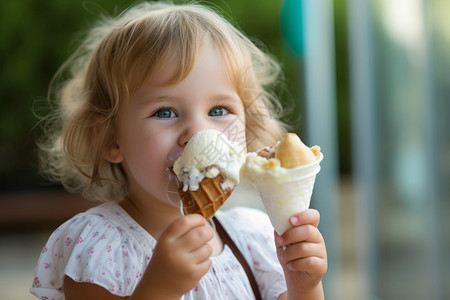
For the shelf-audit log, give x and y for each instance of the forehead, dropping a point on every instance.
(208, 76)
(173, 67)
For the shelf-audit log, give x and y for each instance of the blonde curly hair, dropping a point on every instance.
(116, 57)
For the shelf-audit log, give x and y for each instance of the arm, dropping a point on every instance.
(84, 291)
(180, 259)
(303, 257)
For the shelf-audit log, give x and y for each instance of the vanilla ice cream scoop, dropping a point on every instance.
(208, 154)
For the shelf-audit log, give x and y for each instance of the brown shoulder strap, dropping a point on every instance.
(237, 253)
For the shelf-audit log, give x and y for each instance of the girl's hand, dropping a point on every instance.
(302, 254)
(181, 258)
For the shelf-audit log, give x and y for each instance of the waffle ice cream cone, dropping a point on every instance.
(208, 171)
(207, 199)
(284, 176)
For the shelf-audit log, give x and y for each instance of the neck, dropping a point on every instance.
(154, 216)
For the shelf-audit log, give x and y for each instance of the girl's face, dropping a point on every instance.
(159, 120)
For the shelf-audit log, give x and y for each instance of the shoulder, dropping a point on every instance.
(244, 219)
(104, 224)
(101, 246)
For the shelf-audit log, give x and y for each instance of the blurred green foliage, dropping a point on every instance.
(37, 36)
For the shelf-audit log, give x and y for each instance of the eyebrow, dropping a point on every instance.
(162, 98)
(147, 100)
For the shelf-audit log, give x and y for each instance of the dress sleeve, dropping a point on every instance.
(253, 233)
(89, 248)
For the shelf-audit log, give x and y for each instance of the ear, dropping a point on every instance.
(114, 155)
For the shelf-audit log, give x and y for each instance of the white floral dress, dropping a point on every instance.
(105, 246)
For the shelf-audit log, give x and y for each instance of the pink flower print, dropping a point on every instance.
(47, 266)
(95, 234)
(90, 251)
(111, 260)
(111, 287)
(103, 237)
(256, 263)
(52, 283)
(117, 274)
(44, 250)
(125, 253)
(68, 241)
(80, 240)
(148, 258)
(196, 289)
(36, 282)
(109, 249)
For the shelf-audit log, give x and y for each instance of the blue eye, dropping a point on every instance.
(164, 113)
(218, 112)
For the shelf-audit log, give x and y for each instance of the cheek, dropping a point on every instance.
(145, 152)
(235, 130)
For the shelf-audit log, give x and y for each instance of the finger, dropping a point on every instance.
(201, 254)
(303, 250)
(309, 216)
(183, 224)
(304, 233)
(204, 266)
(196, 237)
(311, 265)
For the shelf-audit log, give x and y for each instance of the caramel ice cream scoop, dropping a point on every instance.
(292, 153)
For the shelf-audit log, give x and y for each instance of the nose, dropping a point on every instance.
(191, 128)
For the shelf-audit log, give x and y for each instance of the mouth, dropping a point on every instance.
(171, 170)
(172, 158)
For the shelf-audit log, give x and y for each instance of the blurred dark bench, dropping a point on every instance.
(38, 209)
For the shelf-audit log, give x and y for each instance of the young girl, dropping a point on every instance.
(141, 85)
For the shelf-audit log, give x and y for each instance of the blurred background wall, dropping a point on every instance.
(366, 80)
